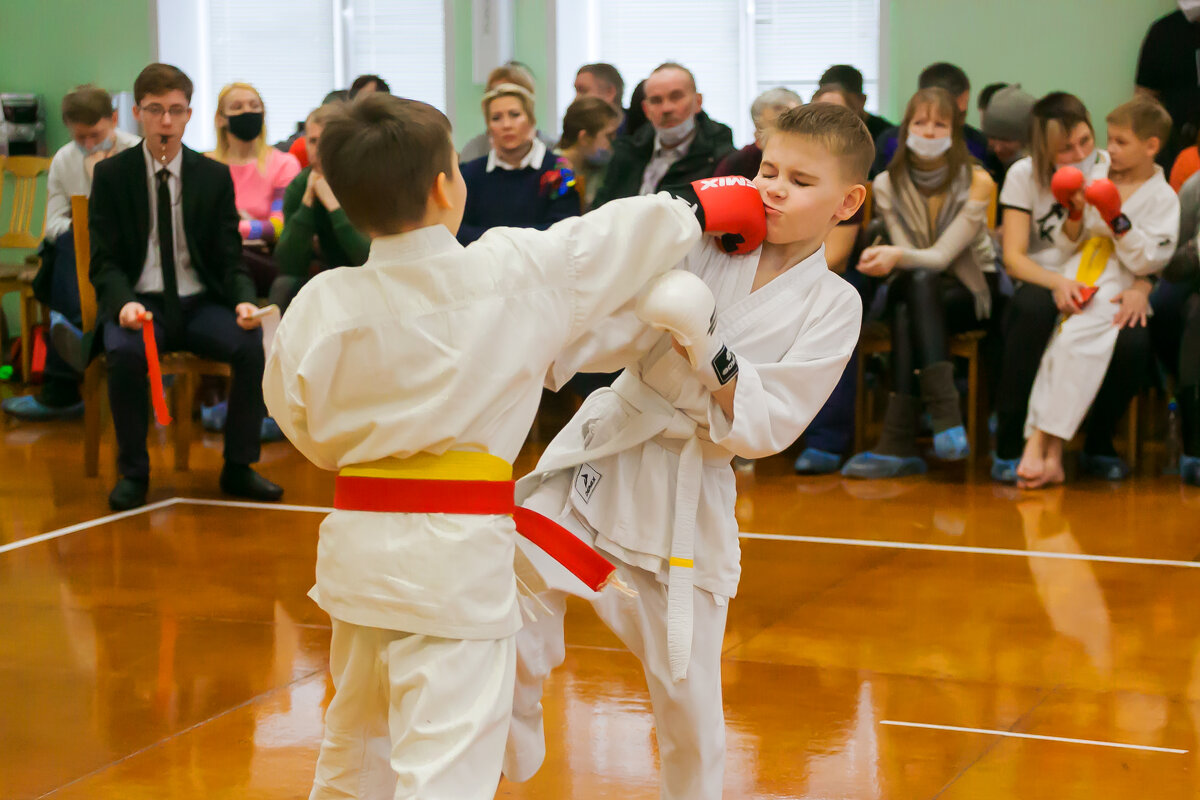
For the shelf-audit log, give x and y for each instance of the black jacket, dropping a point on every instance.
(119, 224)
(632, 154)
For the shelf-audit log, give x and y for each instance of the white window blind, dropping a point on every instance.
(797, 40)
(636, 36)
(402, 41)
(284, 52)
(736, 48)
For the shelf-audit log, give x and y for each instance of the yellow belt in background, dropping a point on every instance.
(1093, 258)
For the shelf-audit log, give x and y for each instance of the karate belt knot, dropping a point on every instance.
(680, 434)
(464, 483)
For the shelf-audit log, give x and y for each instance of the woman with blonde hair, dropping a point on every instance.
(260, 174)
(520, 183)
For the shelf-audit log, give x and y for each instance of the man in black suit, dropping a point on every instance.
(187, 276)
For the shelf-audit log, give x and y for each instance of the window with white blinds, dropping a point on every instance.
(287, 57)
(797, 40)
(401, 40)
(736, 48)
(296, 52)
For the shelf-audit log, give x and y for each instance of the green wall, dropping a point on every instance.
(50, 46)
(1087, 47)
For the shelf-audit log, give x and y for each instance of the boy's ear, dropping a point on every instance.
(855, 196)
(1154, 145)
(439, 193)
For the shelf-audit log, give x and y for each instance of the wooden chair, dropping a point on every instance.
(876, 339)
(18, 277)
(186, 367)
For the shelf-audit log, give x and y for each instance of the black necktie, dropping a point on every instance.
(166, 256)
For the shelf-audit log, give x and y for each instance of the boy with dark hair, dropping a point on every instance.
(642, 472)
(1119, 227)
(417, 377)
(166, 251)
(850, 79)
(91, 119)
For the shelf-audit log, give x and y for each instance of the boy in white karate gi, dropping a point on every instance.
(417, 377)
(642, 472)
(1120, 227)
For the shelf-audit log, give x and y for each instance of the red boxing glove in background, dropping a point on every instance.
(732, 206)
(1065, 183)
(1106, 197)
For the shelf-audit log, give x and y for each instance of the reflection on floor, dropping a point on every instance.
(173, 653)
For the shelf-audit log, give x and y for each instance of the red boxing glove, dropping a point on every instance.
(1065, 183)
(732, 206)
(1106, 197)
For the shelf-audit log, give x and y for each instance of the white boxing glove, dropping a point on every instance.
(682, 304)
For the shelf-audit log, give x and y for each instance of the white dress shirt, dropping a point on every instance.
(186, 279)
(533, 158)
(69, 176)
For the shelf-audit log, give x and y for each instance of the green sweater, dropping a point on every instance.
(341, 243)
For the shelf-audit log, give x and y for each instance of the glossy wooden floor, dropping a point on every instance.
(173, 653)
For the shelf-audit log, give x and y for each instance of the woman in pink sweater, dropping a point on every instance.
(260, 175)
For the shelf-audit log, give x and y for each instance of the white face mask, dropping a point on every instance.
(673, 136)
(1085, 166)
(106, 145)
(1190, 9)
(928, 148)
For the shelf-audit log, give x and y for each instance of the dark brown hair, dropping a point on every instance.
(607, 73)
(586, 115)
(836, 128)
(1056, 114)
(1145, 117)
(158, 79)
(86, 105)
(958, 157)
(381, 156)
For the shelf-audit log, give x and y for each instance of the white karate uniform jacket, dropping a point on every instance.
(1078, 355)
(646, 463)
(431, 347)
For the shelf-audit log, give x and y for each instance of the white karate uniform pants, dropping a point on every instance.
(689, 717)
(414, 716)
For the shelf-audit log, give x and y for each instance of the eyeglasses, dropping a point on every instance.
(154, 111)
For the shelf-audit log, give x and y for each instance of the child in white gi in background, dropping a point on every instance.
(1121, 226)
(418, 376)
(643, 472)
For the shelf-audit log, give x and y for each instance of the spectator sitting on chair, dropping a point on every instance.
(316, 232)
(165, 242)
(763, 111)
(941, 270)
(520, 183)
(680, 145)
(1006, 124)
(850, 79)
(294, 144)
(603, 81)
(589, 127)
(260, 173)
(515, 73)
(953, 80)
(88, 113)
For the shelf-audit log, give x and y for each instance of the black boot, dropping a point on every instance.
(241, 481)
(127, 494)
(942, 402)
(1189, 418)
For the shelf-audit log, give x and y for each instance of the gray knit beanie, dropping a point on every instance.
(1008, 114)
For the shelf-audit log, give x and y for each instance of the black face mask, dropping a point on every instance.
(246, 126)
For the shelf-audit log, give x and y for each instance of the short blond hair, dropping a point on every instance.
(510, 90)
(1145, 116)
(836, 128)
(511, 73)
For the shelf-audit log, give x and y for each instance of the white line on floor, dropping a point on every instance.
(83, 526)
(1012, 735)
(984, 551)
(770, 537)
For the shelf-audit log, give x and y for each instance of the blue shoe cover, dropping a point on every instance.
(1106, 468)
(817, 462)
(951, 444)
(1004, 470)
(870, 466)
